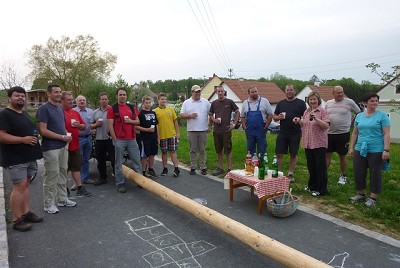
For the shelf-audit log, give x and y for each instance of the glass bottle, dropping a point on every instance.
(248, 164)
(274, 167)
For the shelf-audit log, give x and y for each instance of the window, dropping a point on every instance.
(398, 89)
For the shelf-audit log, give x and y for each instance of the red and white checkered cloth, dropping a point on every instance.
(263, 187)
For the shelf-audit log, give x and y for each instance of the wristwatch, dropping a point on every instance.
(386, 150)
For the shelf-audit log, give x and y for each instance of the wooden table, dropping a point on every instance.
(264, 188)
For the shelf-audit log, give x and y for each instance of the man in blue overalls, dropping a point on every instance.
(256, 116)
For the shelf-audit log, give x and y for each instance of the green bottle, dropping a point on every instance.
(265, 160)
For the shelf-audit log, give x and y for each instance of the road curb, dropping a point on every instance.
(3, 226)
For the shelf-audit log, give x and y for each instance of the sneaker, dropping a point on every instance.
(33, 177)
(66, 203)
(357, 198)
(83, 192)
(152, 173)
(52, 209)
(315, 193)
(218, 171)
(164, 172)
(342, 179)
(192, 171)
(307, 189)
(370, 202)
(204, 171)
(89, 181)
(21, 225)
(121, 189)
(100, 182)
(176, 172)
(31, 217)
(74, 187)
(291, 177)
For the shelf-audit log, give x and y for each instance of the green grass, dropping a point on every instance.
(385, 218)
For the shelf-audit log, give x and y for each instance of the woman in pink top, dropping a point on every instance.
(314, 126)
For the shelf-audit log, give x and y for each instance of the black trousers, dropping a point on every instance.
(316, 165)
(104, 152)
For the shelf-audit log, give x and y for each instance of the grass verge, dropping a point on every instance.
(385, 218)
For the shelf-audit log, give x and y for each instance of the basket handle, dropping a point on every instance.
(290, 194)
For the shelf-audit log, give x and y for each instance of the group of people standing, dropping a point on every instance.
(67, 140)
(327, 130)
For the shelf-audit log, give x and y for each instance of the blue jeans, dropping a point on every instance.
(85, 145)
(132, 148)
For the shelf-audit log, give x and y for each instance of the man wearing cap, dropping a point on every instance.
(256, 116)
(195, 111)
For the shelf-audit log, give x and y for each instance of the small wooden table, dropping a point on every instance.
(264, 188)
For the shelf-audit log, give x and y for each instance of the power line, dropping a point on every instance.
(212, 35)
(202, 29)
(218, 36)
(324, 65)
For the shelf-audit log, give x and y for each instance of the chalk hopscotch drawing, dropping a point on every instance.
(395, 257)
(338, 260)
(171, 251)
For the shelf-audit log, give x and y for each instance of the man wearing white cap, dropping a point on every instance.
(195, 111)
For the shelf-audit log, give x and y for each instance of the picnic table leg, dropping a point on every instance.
(261, 203)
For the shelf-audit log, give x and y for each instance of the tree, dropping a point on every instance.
(70, 62)
(10, 76)
(92, 89)
(385, 76)
(388, 77)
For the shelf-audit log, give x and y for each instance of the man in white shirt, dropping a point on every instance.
(195, 111)
(340, 111)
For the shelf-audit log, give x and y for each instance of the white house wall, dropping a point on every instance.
(304, 93)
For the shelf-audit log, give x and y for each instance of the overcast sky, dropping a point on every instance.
(163, 39)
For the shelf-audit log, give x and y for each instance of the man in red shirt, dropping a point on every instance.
(122, 118)
(73, 123)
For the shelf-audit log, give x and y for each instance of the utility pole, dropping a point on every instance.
(230, 73)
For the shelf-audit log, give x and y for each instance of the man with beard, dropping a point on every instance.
(122, 118)
(20, 149)
(256, 116)
(290, 133)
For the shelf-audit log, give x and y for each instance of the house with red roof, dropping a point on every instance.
(326, 93)
(237, 90)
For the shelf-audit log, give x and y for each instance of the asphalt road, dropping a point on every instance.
(111, 229)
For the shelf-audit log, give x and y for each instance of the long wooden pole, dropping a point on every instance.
(259, 242)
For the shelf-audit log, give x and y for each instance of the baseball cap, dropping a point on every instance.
(196, 88)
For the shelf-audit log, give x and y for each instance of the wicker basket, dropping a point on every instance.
(283, 205)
